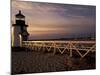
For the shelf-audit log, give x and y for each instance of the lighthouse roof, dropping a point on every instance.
(20, 15)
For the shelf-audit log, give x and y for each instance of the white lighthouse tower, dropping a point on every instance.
(19, 30)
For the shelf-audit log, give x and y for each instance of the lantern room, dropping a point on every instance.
(20, 18)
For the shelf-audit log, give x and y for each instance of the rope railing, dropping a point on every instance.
(62, 46)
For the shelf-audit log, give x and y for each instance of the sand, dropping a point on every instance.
(39, 61)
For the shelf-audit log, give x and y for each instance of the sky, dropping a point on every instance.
(55, 21)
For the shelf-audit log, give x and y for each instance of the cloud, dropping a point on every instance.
(47, 18)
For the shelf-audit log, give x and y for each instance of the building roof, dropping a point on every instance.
(24, 33)
(20, 15)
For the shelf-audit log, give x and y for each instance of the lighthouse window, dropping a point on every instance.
(20, 18)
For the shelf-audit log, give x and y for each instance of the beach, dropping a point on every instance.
(40, 61)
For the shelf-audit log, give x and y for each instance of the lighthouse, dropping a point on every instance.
(19, 30)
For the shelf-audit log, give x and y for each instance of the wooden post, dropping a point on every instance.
(54, 46)
(70, 49)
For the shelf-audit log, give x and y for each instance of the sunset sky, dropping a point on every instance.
(51, 21)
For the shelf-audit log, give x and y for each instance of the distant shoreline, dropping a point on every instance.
(62, 40)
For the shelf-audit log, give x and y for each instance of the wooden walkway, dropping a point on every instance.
(62, 46)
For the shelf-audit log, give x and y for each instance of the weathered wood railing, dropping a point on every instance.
(62, 46)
